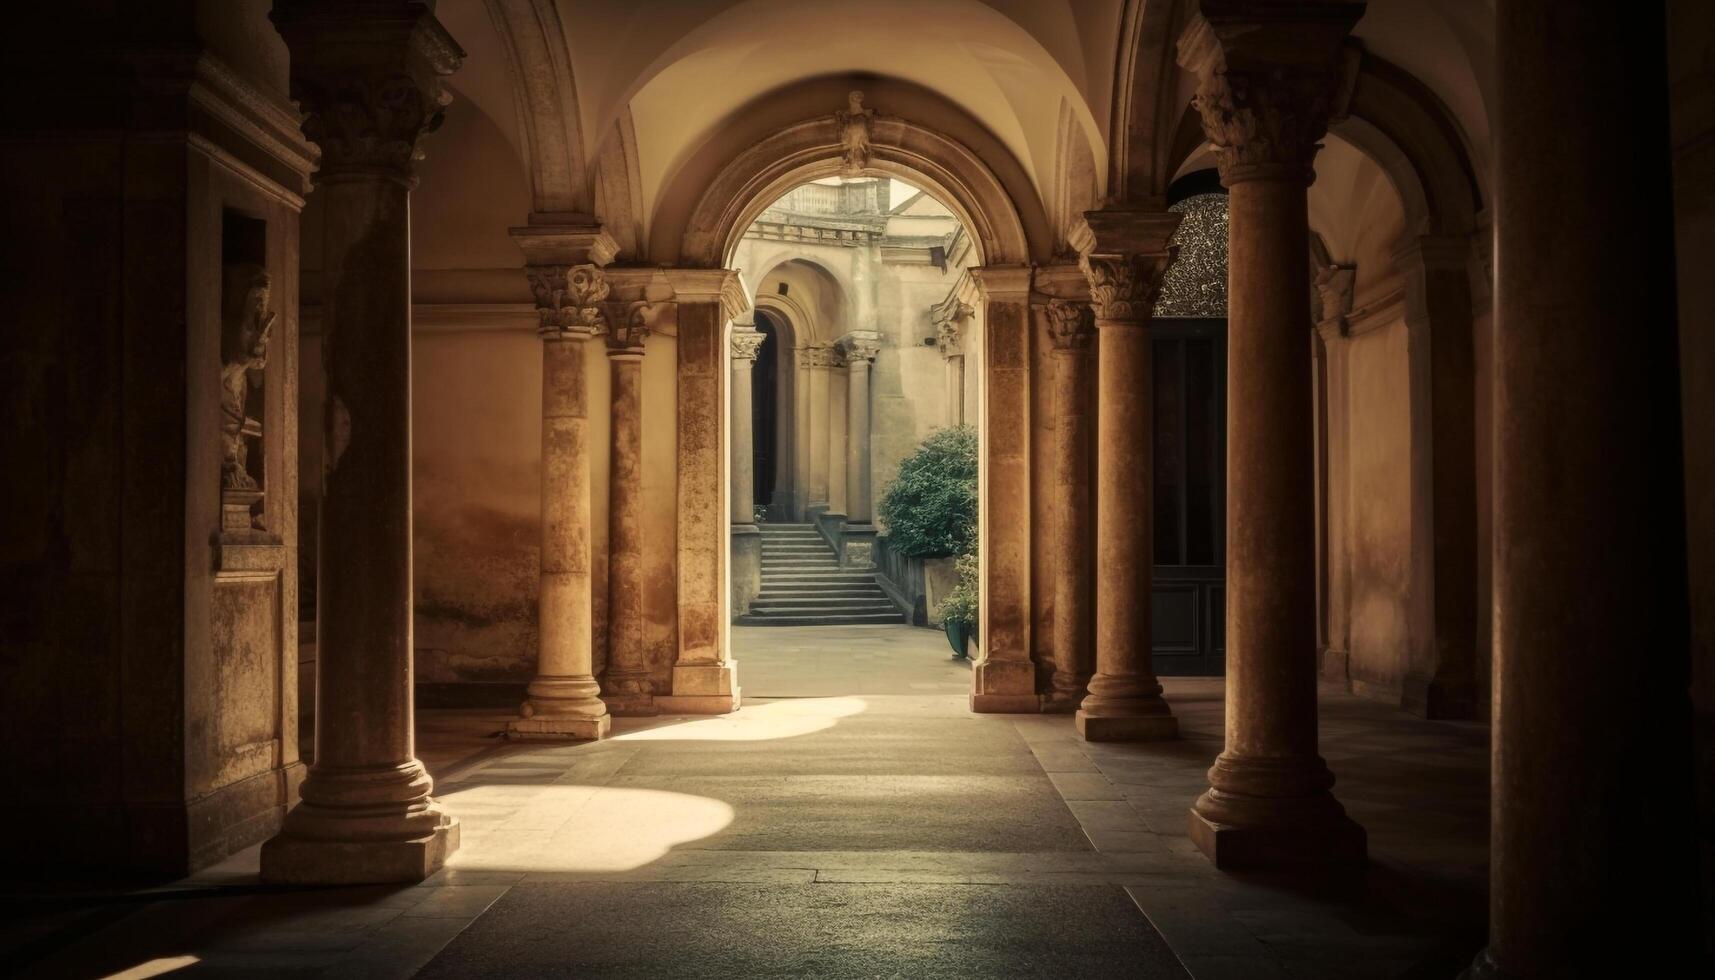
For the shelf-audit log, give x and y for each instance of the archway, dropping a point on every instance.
(992, 313)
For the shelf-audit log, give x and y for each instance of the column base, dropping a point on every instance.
(1338, 843)
(558, 728)
(296, 861)
(630, 705)
(701, 689)
(1005, 687)
(1125, 728)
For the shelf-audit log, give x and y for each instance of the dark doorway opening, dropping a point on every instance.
(764, 407)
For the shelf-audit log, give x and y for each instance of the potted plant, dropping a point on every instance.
(959, 609)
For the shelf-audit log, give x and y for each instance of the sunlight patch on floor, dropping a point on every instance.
(572, 829)
(755, 723)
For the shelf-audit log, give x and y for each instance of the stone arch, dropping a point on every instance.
(534, 42)
(1147, 87)
(809, 325)
(1005, 233)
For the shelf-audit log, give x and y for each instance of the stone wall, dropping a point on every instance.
(148, 687)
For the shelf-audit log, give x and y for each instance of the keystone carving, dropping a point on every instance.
(855, 123)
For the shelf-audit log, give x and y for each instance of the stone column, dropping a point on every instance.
(746, 342)
(1270, 77)
(368, 81)
(1592, 835)
(819, 362)
(705, 678)
(627, 688)
(563, 700)
(859, 350)
(1072, 331)
(746, 537)
(1005, 678)
(1125, 257)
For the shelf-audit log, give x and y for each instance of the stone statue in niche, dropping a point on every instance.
(246, 323)
(854, 122)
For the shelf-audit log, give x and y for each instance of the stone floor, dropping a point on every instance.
(854, 819)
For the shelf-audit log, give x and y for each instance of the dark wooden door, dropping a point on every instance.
(1189, 600)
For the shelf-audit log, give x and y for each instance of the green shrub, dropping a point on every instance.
(960, 605)
(930, 509)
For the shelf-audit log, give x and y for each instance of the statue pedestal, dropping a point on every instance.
(237, 508)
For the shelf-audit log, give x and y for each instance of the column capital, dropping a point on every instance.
(568, 300)
(367, 78)
(949, 318)
(1270, 78)
(746, 344)
(859, 345)
(1125, 254)
(1071, 326)
(816, 357)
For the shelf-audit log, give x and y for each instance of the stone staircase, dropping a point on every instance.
(804, 585)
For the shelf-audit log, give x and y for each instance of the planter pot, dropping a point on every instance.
(957, 635)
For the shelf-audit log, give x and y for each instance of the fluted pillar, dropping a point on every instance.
(859, 350)
(626, 685)
(1072, 331)
(1593, 855)
(368, 81)
(1124, 258)
(1270, 77)
(563, 264)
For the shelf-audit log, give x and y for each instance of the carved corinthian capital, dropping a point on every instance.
(368, 80)
(746, 344)
(1269, 81)
(862, 346)
(1071, 326)
(568, 299)
(1124, 255)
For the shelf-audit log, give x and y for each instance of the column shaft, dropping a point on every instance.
(743, 444)
(627, 687)
(860, 353)
(1074, 585)
(1592, 803)
(563, 700)
(366, 813)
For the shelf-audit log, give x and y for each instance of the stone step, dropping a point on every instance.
(823, 602)
(796, 549)
(842, 619)
(831, 573)
(830, 591)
